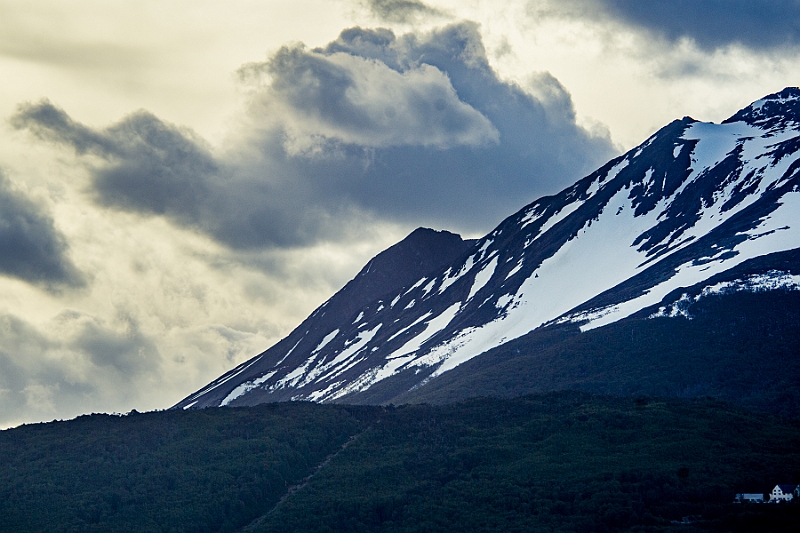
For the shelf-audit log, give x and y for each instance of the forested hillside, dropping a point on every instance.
(200, 471)
(564, 461)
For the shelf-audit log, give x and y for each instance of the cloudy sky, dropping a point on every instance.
(183, 181)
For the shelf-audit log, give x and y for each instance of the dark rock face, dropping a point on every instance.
(696, 208)
(423, 251)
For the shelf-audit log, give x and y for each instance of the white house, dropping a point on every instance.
(782, 493)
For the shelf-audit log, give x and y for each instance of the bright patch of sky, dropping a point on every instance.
(169, 300)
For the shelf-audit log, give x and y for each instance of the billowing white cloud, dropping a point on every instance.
(341, 97)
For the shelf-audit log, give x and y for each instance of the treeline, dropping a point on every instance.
(555, 462)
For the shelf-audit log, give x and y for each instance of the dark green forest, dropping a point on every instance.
(198, 471)
(565, 461)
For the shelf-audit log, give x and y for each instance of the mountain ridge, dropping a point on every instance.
(693, 201)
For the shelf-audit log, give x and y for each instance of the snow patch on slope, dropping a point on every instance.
(247, 386)
(563, 213)
(769, 281)
(450, 278)
(403, 330)
(431, 328)
(515, 269)
(328, 338)
(772, 235)
(561, 284)
(351, 350)
(400, 357)
(482, 277)
(214, 384)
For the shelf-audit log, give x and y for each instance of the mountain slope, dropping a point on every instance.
(694, 201)
(420, 252)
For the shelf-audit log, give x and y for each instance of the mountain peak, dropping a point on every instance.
(422, 251)
(775, 110)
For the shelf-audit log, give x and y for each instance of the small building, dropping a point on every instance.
(782, 493)
(746, 497)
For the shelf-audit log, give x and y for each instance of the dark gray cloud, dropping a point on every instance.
(22, 379)
(31, 248)
(155, 167)
(416, 129)
(401, 10)
(52, 124)
(758, 24)
(128, 352)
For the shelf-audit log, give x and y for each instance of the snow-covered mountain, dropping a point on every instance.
(687, 208)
